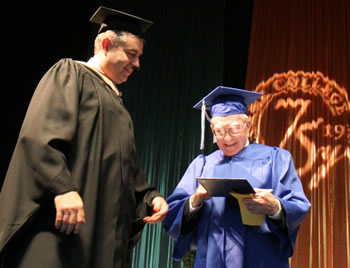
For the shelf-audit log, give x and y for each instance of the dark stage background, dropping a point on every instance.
(295, 51)
(191, 48)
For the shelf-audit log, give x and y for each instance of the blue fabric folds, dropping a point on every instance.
(220, 238)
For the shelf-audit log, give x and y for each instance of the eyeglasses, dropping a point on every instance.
(234, 130)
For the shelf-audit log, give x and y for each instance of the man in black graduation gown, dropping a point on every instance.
(74, 194)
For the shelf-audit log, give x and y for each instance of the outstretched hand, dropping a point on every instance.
(160, 209)
(70, 215)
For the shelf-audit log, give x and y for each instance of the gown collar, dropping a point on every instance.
(228, 158)
(93, 65)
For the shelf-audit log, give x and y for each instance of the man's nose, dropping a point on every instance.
(136, 63)
(228, 136)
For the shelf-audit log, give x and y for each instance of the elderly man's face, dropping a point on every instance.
(122, 60)
(231, 133)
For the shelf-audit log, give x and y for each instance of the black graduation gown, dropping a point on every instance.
(76, 135)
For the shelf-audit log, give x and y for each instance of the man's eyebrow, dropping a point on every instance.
(134, 50)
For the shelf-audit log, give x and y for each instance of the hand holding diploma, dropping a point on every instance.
(263, 202)
(199, 196)
(254, 207)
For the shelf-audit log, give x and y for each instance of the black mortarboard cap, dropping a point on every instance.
(111, 19)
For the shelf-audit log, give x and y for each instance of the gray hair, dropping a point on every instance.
(114, 37)
(243, 117)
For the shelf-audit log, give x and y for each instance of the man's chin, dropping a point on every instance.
(121, 80)
(231, 151)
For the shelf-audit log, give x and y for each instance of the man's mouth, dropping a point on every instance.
(128, 71)
(230, 145)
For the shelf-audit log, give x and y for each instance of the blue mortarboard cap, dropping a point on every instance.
(224, 101)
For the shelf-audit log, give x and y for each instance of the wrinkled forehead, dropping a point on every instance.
(226, 121)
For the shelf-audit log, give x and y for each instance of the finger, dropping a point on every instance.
(70, 228)
(204, 196)
(157, 206)
(58, 220)
(64, 226)
(250, 205)
(200, 188)
(58, 224)
(152, 219)
(147, 219)
(253, 209)
(81, 216)
(71, 222)
(160, 219)
(261, 190)
(250, 208)
(162, 212)
(202, 191)
(80, 221)
(156, 217)
(248, 201)
(260, 193)
(77, 228)
(64, 223)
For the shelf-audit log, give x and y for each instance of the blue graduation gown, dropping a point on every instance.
(219, 236)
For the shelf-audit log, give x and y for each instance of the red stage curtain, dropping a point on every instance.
(299, 56)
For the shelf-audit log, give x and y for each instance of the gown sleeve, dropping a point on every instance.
(38, 168)
(189, 218)
(176, 201)
(289, 190)
(49, 127)
(144, 194)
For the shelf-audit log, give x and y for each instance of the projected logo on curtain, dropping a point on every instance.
(308, 114)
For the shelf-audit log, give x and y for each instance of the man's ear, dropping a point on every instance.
(249, 124)
(105, 44)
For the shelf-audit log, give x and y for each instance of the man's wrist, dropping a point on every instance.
(278, 214)
(192, 206)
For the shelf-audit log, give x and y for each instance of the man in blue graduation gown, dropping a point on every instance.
(213, 225)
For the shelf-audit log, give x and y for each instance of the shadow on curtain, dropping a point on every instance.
(299, 58)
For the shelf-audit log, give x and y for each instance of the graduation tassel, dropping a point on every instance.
(209, 120)
(202, 125)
